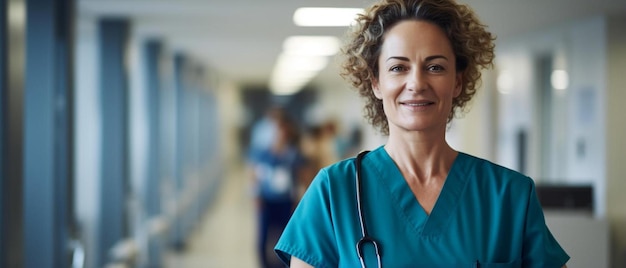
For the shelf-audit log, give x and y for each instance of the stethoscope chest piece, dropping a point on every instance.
(359, 250)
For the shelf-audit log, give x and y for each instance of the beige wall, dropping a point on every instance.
(231, 121)
(475, 131)
(616, 137)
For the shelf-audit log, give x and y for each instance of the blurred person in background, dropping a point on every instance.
(415, 201)
(330, 143)
(276, 170)
(263, 132)
(310, 145)
(322, 146)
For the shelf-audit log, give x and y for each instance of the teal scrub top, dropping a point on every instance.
(486, 216)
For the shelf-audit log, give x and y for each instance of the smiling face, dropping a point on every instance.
(417, 78)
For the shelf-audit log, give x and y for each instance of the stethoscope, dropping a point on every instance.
(364, 237)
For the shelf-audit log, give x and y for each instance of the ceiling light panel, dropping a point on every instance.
(325, 16)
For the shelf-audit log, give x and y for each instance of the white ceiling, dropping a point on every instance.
(241, 39)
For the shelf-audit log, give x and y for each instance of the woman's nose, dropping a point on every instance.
(416, 81)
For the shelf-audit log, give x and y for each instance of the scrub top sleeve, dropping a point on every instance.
(540, 248)
(309, 235)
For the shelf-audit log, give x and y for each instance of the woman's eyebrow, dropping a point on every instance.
(429, 58)
(434, 57)
(398, 58)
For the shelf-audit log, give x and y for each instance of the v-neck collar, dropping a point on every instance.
(449, 198)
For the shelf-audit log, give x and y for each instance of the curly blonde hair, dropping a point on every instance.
(471, 43)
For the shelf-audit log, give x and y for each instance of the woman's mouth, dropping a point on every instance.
(417, 103)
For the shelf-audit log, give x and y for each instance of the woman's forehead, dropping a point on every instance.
(416, 35)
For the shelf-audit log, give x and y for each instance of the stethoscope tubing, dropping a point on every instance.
(365, 238)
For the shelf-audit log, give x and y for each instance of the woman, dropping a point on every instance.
(419, 202)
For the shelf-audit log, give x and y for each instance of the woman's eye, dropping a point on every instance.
(435, 68)
(397, 68)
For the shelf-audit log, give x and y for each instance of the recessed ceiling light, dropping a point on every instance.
(505, 82)
(325, 16)
(559, 79)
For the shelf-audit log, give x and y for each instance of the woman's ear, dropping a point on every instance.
(376, 89)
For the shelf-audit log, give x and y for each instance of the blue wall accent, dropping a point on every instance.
(47, 133)
(114, 34)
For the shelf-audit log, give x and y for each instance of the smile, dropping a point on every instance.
(418, 104)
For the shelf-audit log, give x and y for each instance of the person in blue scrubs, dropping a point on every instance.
(416, 200)
(276, 174)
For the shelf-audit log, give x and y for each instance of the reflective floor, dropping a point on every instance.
(226, 235)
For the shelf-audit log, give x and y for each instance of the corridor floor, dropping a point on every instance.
(226, 235)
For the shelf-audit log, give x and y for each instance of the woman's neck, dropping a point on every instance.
(421, 157)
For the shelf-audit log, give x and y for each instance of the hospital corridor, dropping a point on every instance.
(184, 133)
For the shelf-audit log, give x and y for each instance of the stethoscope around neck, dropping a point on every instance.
(365, 238)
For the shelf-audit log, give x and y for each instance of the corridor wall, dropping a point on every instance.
(170, 154)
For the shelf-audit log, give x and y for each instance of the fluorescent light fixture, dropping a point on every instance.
(325, 16)
(303, 57)
(292, 72)
(312, 45)
(559, 79)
